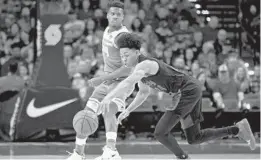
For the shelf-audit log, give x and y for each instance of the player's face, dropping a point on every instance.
(115, 16)
(129, 57)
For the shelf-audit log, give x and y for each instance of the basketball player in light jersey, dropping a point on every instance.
(114, 72)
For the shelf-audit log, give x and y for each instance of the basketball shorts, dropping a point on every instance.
(103, 89)
(190, 106)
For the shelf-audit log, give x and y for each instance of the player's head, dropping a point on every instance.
(129, 45)
(115, 14)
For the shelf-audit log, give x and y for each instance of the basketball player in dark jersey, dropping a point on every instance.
(187, 96)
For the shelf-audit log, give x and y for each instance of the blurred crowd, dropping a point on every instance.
(171, 31)
(17, 32)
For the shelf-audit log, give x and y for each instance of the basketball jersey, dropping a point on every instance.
(167, 79)
(111, 53)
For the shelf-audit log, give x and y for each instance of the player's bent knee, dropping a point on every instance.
(85, 123)
(158, 133)
(116, 105)
(193, 140)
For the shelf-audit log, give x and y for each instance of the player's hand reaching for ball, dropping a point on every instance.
(123, 115)
(94, 82)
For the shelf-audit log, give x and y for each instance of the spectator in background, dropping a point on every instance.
(161, 14)
(207, 59)
(142, 16)
(163, 31)
(66, 5)
(100, 20)
(25, 21)
(159, 50)
(255, 80)
(234, 62)
(183, 35)
(67, 54)
(91, 36)
(3, 38)
(226, 89)
(15, 57)
(85, 12)
(24, 72)
(242, 79)
(210, 31)
(90, 27)
(195, 69)
(137, 25)
(150, 39)
(168, 56)
(11, 84)
(220, 41)
(13, 36)
(189, 58)
(73, 29)
(225, 52)
(9, 21)
(197, 44)
(207, 91)
(131, 12)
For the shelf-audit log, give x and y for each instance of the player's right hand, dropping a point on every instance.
(122, 116)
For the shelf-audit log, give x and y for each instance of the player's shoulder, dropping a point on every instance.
(150, 66)
(124, 29)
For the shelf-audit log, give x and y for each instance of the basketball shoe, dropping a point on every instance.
(109, 154)
(75, 156)
(246, 133)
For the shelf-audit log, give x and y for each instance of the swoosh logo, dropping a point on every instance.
(34, 112)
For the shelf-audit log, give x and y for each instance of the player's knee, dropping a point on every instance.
(93, 105)
(193, 139)
(159, 133)
(113, 109)
(116, 105)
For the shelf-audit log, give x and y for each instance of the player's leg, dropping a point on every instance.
(187, 102)
(195, 135)
(93, 106)
(163, 132)
(111, 127)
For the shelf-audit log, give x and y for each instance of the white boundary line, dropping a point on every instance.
(228, 143)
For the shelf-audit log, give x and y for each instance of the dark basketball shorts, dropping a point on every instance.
(189, 105)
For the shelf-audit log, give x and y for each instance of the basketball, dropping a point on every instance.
(85, 123)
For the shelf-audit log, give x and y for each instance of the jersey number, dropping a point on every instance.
(105, 50)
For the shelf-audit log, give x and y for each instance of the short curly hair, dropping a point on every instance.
(129, 40)
(116, 4)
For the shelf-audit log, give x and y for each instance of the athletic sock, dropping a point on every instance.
(111, 140)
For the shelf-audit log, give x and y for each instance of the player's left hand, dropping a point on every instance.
(94, 82)
(123, 115)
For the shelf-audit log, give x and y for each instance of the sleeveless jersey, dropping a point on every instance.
(111, 53)
(167, 79)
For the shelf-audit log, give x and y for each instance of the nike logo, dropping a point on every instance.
(34, 112)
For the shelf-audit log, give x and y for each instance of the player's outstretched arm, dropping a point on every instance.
(142, 95)
(123, 71)
(141, 70)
